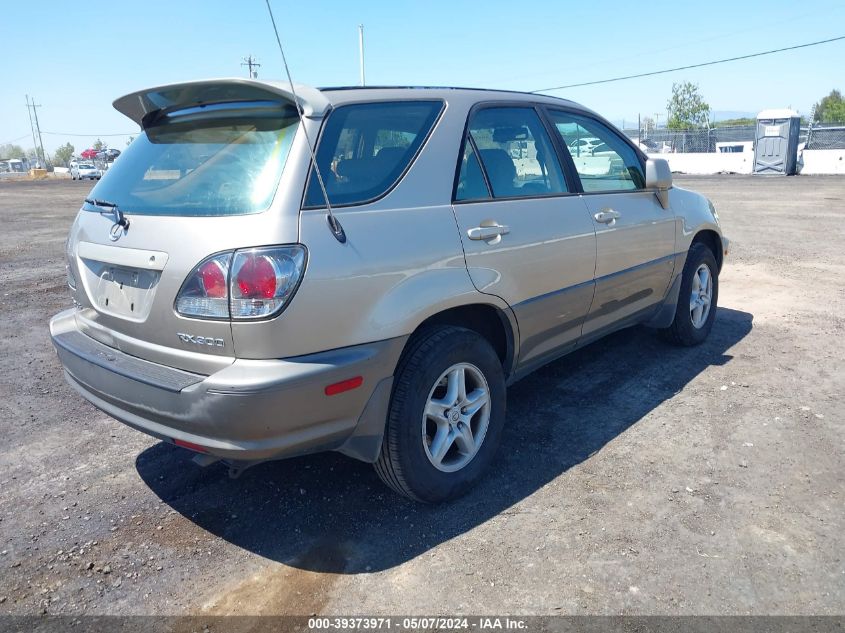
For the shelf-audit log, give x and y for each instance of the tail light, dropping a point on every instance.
(245, 284)
(204, 293)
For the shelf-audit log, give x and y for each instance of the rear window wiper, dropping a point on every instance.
(103, 204)
(110, 207)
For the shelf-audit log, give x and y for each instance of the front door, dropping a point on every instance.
(527, 238)
(635, 235)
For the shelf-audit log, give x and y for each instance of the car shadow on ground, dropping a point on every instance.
(329, 513)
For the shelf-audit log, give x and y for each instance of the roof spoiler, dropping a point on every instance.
(139, 104)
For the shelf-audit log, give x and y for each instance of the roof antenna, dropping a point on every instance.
(334, 224)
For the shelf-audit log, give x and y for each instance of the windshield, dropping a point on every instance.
(84, 166)
(200, 162)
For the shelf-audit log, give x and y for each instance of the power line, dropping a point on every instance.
(712, 63)
(14, 140)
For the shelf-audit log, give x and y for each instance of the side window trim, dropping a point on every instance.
(573, 184)
(464, 139)
(477, 156)
(305, 207)
(548, 109)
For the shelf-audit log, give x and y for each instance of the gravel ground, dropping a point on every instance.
(634, 478)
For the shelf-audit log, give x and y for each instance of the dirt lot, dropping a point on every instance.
(633, 478)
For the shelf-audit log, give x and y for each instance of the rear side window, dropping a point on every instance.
(365, 148)
(516, 153)
(604, 161)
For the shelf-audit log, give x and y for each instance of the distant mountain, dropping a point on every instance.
(721, 115)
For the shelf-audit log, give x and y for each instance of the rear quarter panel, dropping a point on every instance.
(397, 267)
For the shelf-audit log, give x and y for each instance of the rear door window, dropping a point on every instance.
(516, 152)
(365, 148)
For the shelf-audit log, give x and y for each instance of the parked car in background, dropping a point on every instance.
(235, 298)
(82, 171)
(12, 165)
(108, 154)
(583, 146)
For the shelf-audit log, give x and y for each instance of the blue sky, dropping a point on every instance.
(76, 58)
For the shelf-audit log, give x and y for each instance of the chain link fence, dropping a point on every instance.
(824, 136)
(663, 140)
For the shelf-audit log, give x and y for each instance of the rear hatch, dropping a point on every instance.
(201, 178)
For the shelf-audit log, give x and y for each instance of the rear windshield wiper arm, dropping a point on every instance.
(110, 207)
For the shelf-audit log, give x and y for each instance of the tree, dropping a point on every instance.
(687, 108)
(63, 154)
(831, 109)
(647, 123)
(12, 151)
(99, 145)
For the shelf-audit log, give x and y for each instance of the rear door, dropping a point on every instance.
(635, 235)
(527, 238)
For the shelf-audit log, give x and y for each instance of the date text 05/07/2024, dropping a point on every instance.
(417, 623)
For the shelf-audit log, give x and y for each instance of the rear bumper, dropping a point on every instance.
(251, 410)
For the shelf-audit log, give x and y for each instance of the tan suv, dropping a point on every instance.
(233, 299)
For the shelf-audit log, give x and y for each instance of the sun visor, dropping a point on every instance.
(137, 105)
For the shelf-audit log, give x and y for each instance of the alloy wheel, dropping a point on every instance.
(701, 296)
(456, 417)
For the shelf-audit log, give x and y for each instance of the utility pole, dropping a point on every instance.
(34, 105)
(361, 52)
(31, 125)
(251, 62)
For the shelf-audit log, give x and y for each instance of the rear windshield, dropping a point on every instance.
(365, 148)
(203, 161)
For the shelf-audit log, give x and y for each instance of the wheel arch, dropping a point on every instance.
(712, 240)
(490, 321)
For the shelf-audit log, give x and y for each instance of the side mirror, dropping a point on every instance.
(658, 176)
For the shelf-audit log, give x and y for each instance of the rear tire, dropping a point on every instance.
(446, 415)
(697, 299)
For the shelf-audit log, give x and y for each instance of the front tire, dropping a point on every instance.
(697, 299)
(446, 415)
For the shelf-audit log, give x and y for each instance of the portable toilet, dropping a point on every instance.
(776, 142)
